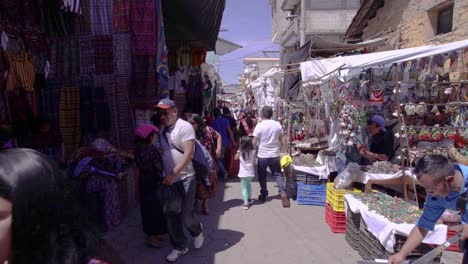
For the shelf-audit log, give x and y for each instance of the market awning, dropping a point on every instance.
(324, 69)
(224, 47)
(192, 23)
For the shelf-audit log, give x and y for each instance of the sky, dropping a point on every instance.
(248, 23)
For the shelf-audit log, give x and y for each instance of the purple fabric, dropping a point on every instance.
(143, 21)
(109, 186)
(162, 59)
(144, 131)
(221, 125)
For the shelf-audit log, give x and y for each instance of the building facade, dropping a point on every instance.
(410, 23)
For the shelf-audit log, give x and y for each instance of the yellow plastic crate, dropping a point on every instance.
(335, 198)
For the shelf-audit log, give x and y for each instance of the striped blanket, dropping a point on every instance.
(69, 117)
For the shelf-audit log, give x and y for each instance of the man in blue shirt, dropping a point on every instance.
(444, 184)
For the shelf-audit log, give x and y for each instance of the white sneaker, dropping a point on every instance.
(198, 241)
(176, 254)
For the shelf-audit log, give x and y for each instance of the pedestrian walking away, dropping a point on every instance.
(178, 194)
(246, 155)
(268, 135)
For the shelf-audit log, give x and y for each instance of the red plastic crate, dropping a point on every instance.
(338, 227)
(336, 217)
(454, 247)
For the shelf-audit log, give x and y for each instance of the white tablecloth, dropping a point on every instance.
(321, 171)
(385, 230)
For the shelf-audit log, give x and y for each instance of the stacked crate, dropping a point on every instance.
(353, 223)
(310, 189)
(308, 194)
(450, 233)
(335, 215)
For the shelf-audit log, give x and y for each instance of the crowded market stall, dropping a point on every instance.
(417, 97)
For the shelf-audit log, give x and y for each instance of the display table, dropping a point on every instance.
(321, 171)
(384, 230)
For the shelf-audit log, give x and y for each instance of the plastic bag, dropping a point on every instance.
(351, 174)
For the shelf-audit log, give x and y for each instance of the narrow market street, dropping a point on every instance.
(266, 233)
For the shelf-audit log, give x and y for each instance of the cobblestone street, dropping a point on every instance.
(266, 233)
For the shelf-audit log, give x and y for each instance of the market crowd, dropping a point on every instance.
(179, 158)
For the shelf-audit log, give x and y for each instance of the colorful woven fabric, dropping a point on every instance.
(122, 16)
(143, 92)
(123, 112)
(84, 20)
(49, 99)
(104, 54)
(69, 117)
(143, 21)
(162, 59)
(21, 73)
(87, 57)
(123, 54)
(3, 108)
(101, 17)
(71, 59)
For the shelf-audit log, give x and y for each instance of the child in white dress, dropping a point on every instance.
(246, 156)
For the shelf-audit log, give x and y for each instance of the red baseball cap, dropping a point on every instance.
(166, 104)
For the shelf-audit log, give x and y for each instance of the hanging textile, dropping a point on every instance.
(143, 92)
(101, 17)
(73, 6)
(143, 21)
(195, 91)
(84, 21)
(122, 16)
(122, 54)
(69, 116)
(49, 100)
(3, 108)
(162, 54)
(4, 66)
(104, 54)
(21, 73)
(123, 111)
(291, 83)
(21, 115)
(87, 55)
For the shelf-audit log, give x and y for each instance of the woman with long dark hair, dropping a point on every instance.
(212, 141)
(40, 219)
(150, 167)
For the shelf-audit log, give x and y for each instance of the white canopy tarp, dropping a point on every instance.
(322, 70)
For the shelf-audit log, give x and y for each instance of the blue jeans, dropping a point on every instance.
(275, 168)
(220, 163)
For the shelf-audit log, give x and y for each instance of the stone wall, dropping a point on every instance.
(418, 25)
(411, 23)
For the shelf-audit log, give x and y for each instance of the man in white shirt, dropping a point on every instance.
(268, 135)
(178, 144)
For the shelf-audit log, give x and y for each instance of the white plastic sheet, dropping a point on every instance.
(325, 69)
(385, 230)
(321, 171)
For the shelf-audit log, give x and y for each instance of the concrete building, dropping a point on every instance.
(256, 67)
(303, 27)
(297, 21)
(410, 23)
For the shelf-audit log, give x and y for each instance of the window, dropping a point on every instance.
(444, 20)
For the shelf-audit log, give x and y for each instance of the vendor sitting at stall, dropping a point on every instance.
(380, 143)
(445, 184)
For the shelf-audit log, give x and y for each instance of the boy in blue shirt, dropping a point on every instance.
(445, 183)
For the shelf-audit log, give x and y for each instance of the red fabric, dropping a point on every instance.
(143, 21)
(232, 165)
(104, 54)
(121, 16)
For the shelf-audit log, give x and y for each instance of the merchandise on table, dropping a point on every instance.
(394, 209)
(306, 160)
(382, 167)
